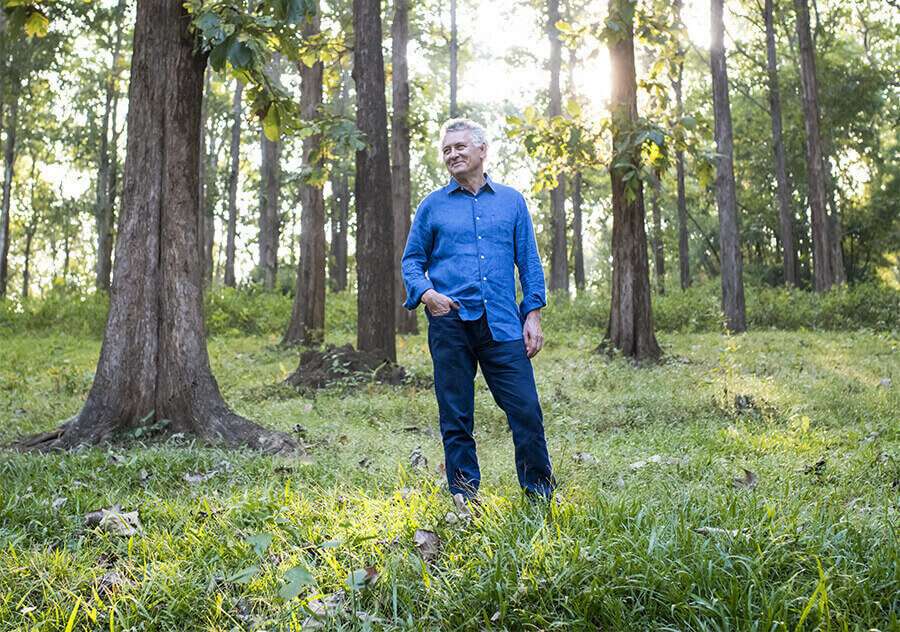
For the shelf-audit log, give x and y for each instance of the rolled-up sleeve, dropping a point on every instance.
(416, 257)
(528, 261)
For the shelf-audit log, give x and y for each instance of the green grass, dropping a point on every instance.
(814, 549)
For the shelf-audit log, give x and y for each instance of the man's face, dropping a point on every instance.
(462, 156)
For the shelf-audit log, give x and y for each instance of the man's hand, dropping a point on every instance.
(534, 337)
(437, 303)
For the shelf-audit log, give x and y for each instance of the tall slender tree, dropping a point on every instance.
(270, 198)
(726, 196)
(454, 60)
(659, 258)
(559, 259)
(684, 261)
(103, 208)
(154, 367)
(9, 161)
(785, 215)
(823, 277)
(577, 233)
(374, 213)
(340, 202)
(307, 324)
(407, 323)
(234, 173)
(630, 327)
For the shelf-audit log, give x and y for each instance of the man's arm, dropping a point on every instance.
(415, 259)
(531, 276)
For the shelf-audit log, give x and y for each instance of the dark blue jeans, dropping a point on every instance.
(458, 347)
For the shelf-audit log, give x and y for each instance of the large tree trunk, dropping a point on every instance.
(726, 196)
(270, 205)
(630, 327)
(454, 60)
(659, 261)
(154, 367)
(577, 233)
(559, 259)
(9, 161)
(307, 324)
(786, 222)
(821, 244)
(835, 233)
(407, 323)
(103, 210)
(340, 213)
(235, 155)
(374, 214)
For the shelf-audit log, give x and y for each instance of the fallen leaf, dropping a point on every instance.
(110, 581)
(744, 403)
(711, 531)
(114, 520)
(417, 459)
(294, 581)
(27, 610)
(656, 459)
(885, 382)
(428, 543)
(320, 609)
(197, 477)
(748, 481)
(365, 462)
(260, 542)
(411, 429)
(584, 457)
(144, 475)
(495, 617)
(451, 518)
(300, 430)
(343, 439)
(817, 468)
(362, 577)
(58, 502)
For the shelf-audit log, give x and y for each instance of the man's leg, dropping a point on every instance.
(508, 373)
(454, 385)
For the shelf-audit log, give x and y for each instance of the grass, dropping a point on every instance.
(810, 548)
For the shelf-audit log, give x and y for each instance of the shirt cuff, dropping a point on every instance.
(529, 304)
(414, 294)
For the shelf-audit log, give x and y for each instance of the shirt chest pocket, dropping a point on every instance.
(501, 229)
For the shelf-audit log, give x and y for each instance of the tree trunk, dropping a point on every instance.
(821, 244)
(103, 210)
(374, 214)
(835, 234)
(154, 367)
(235, 155)
(270, 207)
(407, 323)
(340, 212)
(659, 262)
(559, 259)
(726, 196)
(201, 178)
(307, 324)
(454, 61)
(788, 249)
(630, 327)
(9, 161)
(684, 253)
(577, 233)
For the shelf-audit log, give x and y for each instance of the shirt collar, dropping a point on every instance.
(453, 185)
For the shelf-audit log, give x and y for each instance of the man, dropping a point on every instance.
(463, 245)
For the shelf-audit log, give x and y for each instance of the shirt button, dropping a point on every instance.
(482, 256)
(484, 278)
(477, 217)
(485, 300)
(479, 236)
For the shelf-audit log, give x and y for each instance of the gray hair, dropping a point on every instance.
(479, 135)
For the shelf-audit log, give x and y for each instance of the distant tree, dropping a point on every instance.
(823, 277)
(630, 328)
(234, 173)
(270, 197)
(726, 196)
(407, 323)
(454, 60)
(559, 260)
(340, 202)
(307, 325)
(684, 262)
(659, 258)
(374, 213)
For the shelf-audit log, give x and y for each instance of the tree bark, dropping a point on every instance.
(235, 155)
(374, 214)
(835, 233)
(340, 212)
(154, 367)
(821, 242)
(684, 259)
(630, 327)
(103, 209)
(454, 60)
(9, 161)
(726, 196)
(407, 323)
(307, 324)
(786, 221)
(577, 233)
(559, 259)
(270, 204)
(202, 216)
(659, 262)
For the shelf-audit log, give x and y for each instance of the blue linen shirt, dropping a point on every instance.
(466, 247)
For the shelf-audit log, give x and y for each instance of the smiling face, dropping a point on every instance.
(461, 155)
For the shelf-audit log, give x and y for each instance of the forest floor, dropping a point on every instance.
(657, 524)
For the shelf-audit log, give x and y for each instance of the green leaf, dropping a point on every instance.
(272, 122)
(295, 579)
(244, 575)
(240, 55)
(573, 108)
(219, 54)
(36, 24)
(689, 122)
(260, 542)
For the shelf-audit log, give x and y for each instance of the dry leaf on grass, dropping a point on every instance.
(428, 543)
(322, 609)
(748, 481)
(114, 520)
(417, 460)
(584, 457)
(656, 459)
(713, 531)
